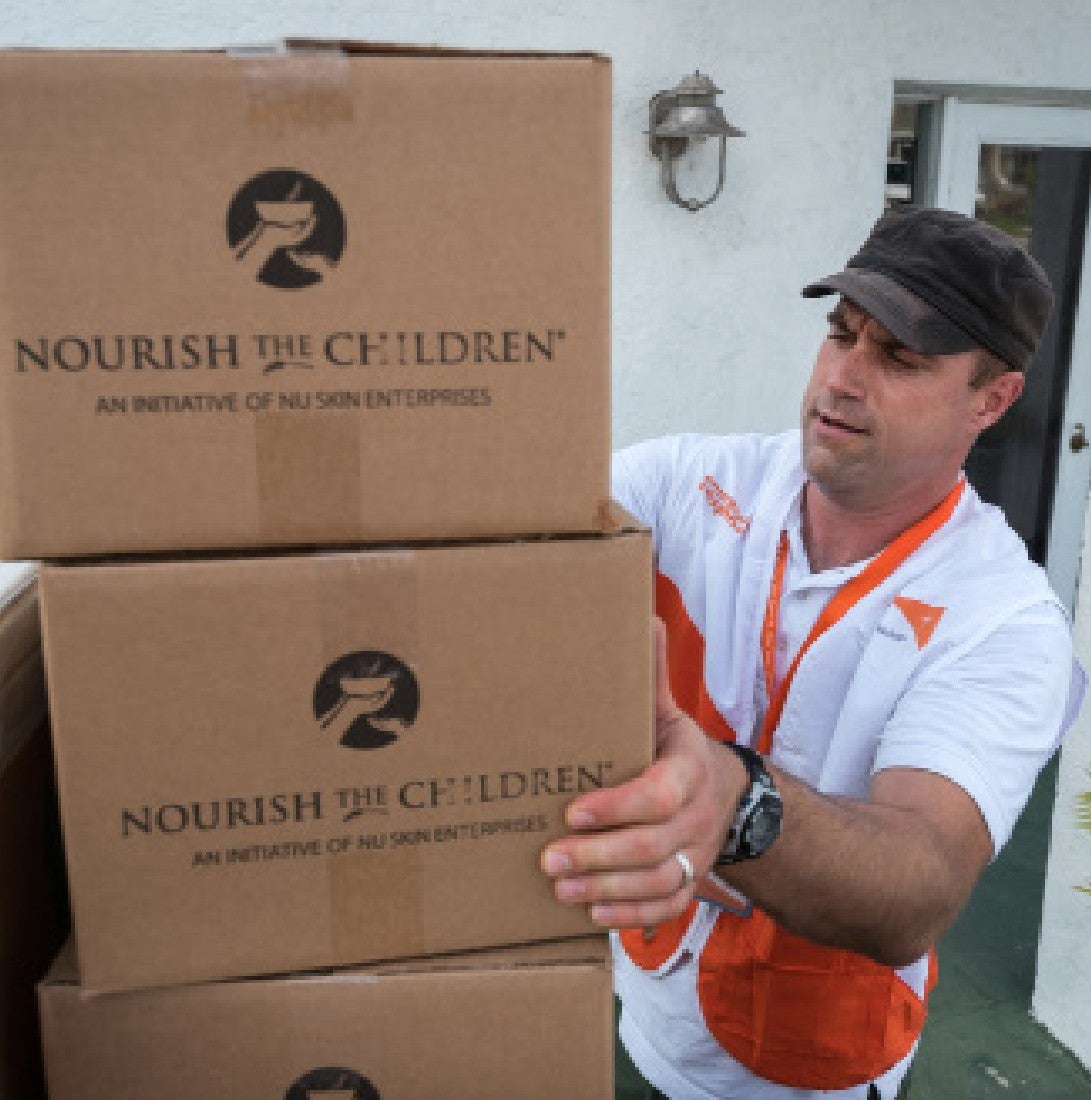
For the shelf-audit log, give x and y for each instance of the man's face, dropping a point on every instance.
(882, 423)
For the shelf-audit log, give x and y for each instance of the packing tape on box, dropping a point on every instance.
(308, 472)
(369, 617)
(307, 466)
(295, 86)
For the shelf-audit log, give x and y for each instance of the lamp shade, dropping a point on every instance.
(691, 120)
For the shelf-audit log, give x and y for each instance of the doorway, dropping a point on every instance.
(1027, 170)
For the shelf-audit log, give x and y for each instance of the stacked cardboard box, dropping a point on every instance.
(534, 1023)
(330, 295)
(300, 761)
(321, 296)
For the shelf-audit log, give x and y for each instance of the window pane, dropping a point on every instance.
(902, 154)
(1006, 181)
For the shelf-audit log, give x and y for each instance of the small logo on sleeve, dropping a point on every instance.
(723, 504)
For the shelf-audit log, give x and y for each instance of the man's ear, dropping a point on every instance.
(997, 396)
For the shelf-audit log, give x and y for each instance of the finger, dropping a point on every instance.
(639, 914)
(665, 706)
(661, 881)
(660, 793)
(639, 848)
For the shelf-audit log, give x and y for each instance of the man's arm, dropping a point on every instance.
(883, 877)
(903, 864)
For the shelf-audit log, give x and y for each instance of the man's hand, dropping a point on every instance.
(883, 876)
(621, 864)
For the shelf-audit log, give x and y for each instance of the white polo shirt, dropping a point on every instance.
(985, 709)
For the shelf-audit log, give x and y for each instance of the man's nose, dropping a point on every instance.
(848, 371)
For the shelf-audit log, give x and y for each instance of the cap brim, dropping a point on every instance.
(914, 322)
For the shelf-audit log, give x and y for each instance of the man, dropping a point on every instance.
(839, 602)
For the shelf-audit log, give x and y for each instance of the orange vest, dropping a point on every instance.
(790, 1010)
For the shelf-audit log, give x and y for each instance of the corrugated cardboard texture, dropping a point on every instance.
(282, 763)
(311, 298)
(532, 1025)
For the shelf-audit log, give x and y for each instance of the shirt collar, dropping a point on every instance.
(799, 574)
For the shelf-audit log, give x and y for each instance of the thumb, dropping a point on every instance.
(665, 706)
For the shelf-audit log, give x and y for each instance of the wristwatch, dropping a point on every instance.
(757, 820)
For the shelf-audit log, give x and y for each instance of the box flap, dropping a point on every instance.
(593, 950)
(347, 46)
(584, 950)
(356, 47)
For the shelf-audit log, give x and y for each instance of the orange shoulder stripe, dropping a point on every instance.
(686, 661)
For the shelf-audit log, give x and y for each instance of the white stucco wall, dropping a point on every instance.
(709, 331)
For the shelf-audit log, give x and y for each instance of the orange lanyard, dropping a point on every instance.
(844, 599)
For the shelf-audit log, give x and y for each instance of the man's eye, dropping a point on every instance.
(841, 336)
(902, 362)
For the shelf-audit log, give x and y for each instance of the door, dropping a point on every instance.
(1028, 170)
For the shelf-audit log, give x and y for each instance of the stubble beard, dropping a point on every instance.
(847, 479)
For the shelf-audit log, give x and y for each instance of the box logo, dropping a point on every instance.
(372, 697)
(287, 228)
(332, 1083)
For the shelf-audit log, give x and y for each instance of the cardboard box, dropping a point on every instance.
(33, 908)
(335, 294)
(284, 763)
(530, 1023)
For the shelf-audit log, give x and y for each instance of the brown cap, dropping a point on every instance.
(945, 283)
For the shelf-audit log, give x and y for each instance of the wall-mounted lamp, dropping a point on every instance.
(676, 118)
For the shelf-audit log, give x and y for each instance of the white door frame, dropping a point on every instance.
(964, 128)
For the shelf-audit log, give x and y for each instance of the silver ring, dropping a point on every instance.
(688, 874)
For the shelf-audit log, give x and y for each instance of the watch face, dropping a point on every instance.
(764, 825)
(758, 817)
